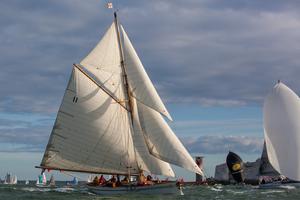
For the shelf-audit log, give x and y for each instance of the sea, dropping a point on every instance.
(230, 192)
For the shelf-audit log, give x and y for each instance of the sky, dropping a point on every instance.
(212, 62)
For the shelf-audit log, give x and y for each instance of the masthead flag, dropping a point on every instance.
(109, 5)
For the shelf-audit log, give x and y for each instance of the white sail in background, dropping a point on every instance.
(52, 181)
(141, 85)
(161, 140)
(282, 130)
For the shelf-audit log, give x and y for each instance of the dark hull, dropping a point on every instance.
(235, 166)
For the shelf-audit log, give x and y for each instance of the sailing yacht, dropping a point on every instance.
(10, 179)
(52, 181)
(112, 120)
(41, 181)
(281, 115)
(74, 182)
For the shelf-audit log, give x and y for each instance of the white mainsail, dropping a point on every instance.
(89, 122)
(282, 130)
(100, 128)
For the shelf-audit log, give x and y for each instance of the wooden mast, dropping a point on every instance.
(125, 78)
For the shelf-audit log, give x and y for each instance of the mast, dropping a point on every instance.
(125, 78)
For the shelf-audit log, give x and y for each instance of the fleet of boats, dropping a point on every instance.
(10, 179)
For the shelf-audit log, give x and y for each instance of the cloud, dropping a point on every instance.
(215, 127)
(24, 135)
(209, 52)
(223, 144)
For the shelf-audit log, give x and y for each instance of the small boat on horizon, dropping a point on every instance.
(10, 179)
(74, 182)
(41, 181)
(52, 181)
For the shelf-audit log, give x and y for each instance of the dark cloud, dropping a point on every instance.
(221, 144)
(208, 52)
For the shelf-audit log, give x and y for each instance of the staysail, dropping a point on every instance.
(106, 126)
(162, 141)
(146, 161)
(282, 130)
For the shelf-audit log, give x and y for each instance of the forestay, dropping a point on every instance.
(282, 130)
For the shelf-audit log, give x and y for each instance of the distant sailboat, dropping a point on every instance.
(10, 179)
(110, 120)
(41, 181)
(235, 166)
(74, 182)
(52, 181)
(282, 130)
(90, 179)
(27, 182)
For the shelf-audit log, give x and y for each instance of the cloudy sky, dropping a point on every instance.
(212, 62)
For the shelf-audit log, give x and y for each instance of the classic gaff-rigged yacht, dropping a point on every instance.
(110, 120)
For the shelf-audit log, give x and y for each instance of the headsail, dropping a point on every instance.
(146, 161)
(141, 85)
(282, 130)
(161, 140)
